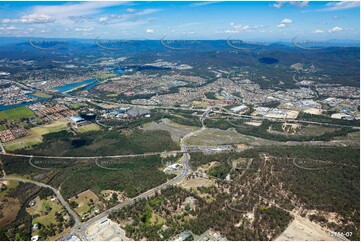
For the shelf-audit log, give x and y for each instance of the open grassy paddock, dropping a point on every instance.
(16, 113)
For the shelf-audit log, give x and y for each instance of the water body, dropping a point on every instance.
(38, 99)
(87, 85)
(72, 86)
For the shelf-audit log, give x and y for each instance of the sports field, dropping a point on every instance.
(16, 113)
(88, 127)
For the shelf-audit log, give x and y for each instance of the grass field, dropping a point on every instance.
(43, 95)
(46, 210)
(16, 113)
(89, 127)
(10, 208)
(106, 75)
(9, 186)
(83, 200)
(35, 135)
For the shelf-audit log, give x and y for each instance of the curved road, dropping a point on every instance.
(56, 191)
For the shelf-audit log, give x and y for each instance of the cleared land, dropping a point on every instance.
(302, 229)
(88, 128)
(213, 136)
(86, 201)
(9, 208)
(177, 131)
(197, 182)
(106, 230)
(35, 135)
(44, 210)
(16, 113)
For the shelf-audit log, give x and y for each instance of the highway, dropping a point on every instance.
(56, 191)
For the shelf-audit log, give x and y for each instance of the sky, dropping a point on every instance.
(267, 20)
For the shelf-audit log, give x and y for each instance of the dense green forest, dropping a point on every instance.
(104, 143)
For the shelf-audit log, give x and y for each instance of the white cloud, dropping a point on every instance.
(80, 19)
(31, 19)
(299, 4)
(188, 33)
(279, 4)
(317, 31)
(74, 9)
(103, 20)
(116, 18)
(150, 31)
(7, 28)
(286, 21)
(84, 29)
(334, 6)
(335, 29)
(131, 10)
(147, 11)
(236, 28)
(200, 4)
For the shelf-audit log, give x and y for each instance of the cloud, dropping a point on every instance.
(335, 29)
(237, 28)
(31, 19)
(200, 4)
(286, 21)
(131, 10)
(278, 4)
(317, 31)
(8, 28)
(338, 17)
(116, 18)
(335, 6)
(84, 29)
(80, 19)
(299, 4)
(74, 9)
(150, 31)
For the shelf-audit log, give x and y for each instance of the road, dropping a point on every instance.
(2, 148)
(80, 230)
(88, 157)
(56, 191)
(225, 111)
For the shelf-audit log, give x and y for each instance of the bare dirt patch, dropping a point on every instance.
(302, 229)
(9, 208)
(197, 182)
